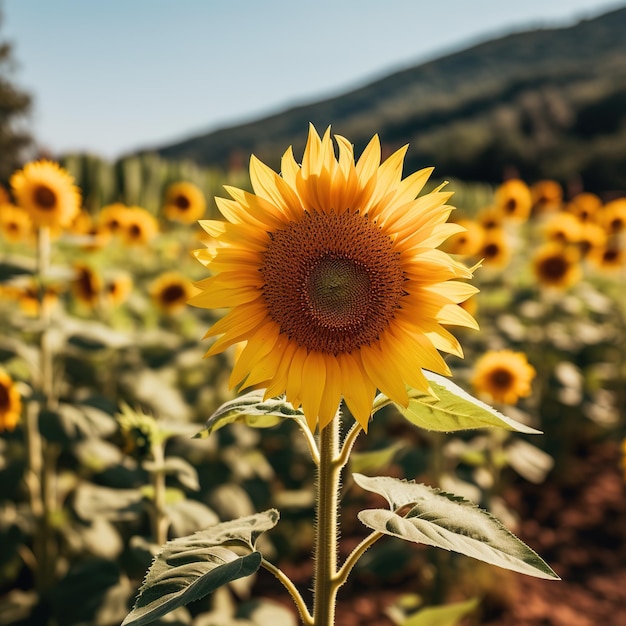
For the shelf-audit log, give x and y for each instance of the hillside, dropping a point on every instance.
(546, 103)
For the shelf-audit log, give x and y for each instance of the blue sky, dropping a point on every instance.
(110, 76)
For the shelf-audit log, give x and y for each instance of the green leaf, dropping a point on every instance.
(375, 460)
(451, 409)
(189, 568)
(447, 521)
(252, 410)
(448, 615)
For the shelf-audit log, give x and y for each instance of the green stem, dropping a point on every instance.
(354, 556)
(305, 616)
(328, 475)
(160, 523)
(310, 440)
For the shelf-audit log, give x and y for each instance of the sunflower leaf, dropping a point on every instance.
(443, 520)
(251, 409)
(189, 568)
(452, 409)
(445, 615)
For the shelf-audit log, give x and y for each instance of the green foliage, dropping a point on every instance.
(443, 520)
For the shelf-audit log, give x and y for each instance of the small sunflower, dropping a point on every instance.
(592, 237)
(171, 291)
(184, 202)
(47, 192)
(503, 375)
(139, 227)
(547, 196)
(557, 266)
(87, 285)
(609, 258)
(332, 277)
(495, 249)
(513, 199)
(117, 290)
(15, 224)
(10, 403)
(584, 205)
(564, 228)
(613, 216)
(490, 218)
(468, 242)
(112, 218)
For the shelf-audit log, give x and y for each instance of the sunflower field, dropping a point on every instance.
(114, 438)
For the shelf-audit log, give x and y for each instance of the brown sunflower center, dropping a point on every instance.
(44, 197)
(134, 230)
(510, 206)
(554, 267)
(5, 398)
(491, 250)
(501, 378)
(333, 282)
(172, 294)
(182, 202)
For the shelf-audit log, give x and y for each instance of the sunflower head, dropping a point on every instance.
(584, 205)
(490, 218)
(556, 266)
(547, 195)
(503, 375)
(609, 258)
(469, 241)
(332, 277)
(117, 290)
(139, 226)
(184, 202)
(171, 291)
(495, 249)
(513, 199)
(47, 192)
(613, 216)
(10, 403)
(87, 285)
(15, 224)
(564, 228)
(112, 218)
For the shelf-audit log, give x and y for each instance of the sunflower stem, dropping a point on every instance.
(160, 522)
(355, 555)
(348, 444)
(326, 530)
(305, 616)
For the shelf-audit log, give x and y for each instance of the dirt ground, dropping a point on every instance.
(576, 522)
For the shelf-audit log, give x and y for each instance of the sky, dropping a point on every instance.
(112, 76)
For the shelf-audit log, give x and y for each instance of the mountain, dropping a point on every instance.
(545, 103)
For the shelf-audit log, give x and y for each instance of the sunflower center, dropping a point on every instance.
(182, 202)
(333, 282)
(172, 293)
(554, 267)
(44, 197)
(510, 205)
(501, 378)
(5, 399)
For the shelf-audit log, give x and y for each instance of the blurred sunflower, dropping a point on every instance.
(490, 218)
(184, 202)
(15, 224)
(513, 199)
(117, 290)
(495, 249)
(592, 237)
(584, 205)
(613, 216)
(87, 285)
(47, 192)
(171, 291)
(503, 375)
(112, 217)
(139, 226)
(556, 266)
(610, 258)
(332, 276)
(564, 228)
(468, 242)
(10, 403)
(547, 195)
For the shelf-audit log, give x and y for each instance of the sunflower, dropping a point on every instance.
(613, 216)
(469, 241)
(564, 228)
(584, 205)
(332, 276)
(547, 195)
(29, 298)
(592, 237)
(513, 199)
(10, 403)
(609, 258)
(15, 224)
(555, 265)
(87, 285)
(490, 218)
(47, 192)
(171, 291)
(495, 250)
(112, 218)
(503, 375)
(184, 202)
(139, 226)
(118, 289)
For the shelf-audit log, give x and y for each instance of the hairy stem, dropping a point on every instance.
(305, 616)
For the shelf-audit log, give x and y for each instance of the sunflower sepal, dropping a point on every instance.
(189, 568)
(450, 408)
(422, 514)
(253, 410)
